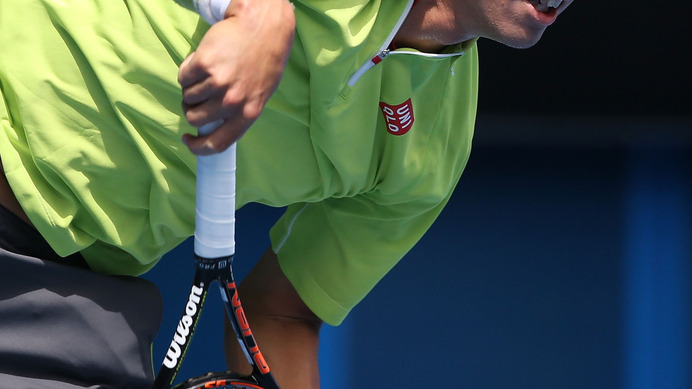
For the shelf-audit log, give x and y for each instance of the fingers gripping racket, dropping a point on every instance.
(214, 250)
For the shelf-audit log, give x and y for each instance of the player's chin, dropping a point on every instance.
(522, 39)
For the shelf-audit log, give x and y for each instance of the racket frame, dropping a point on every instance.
(207, 272)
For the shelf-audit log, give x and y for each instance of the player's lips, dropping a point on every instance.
(546, 11)
(545, 5)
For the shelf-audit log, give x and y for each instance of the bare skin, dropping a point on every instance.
(433, 24)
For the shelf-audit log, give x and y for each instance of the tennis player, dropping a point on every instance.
(357, 116)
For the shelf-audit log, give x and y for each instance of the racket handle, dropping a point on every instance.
(215, 203)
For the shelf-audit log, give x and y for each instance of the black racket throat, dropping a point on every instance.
(207, 271)
(214, 268)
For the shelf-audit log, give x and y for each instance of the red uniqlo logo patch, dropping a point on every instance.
(398, 118)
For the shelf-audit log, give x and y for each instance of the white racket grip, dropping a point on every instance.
(215, 203)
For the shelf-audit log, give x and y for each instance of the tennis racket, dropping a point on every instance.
(214, 247)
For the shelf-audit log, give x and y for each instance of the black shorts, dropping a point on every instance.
(63, 326)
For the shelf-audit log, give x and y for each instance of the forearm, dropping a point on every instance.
(276, 13)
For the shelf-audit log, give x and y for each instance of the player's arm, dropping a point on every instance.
(235, 69)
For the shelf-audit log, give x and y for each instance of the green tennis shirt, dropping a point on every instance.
(362, 144)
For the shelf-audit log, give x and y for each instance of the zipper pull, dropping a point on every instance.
(367, 66)
(379, 57)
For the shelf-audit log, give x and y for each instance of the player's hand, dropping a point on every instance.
(235, 69)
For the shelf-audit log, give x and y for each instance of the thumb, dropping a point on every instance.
(198, 145)
(222, 136)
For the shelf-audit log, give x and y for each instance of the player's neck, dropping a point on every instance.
(429, 27)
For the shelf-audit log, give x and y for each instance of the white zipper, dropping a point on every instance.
(367, 66)
(384, 50)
